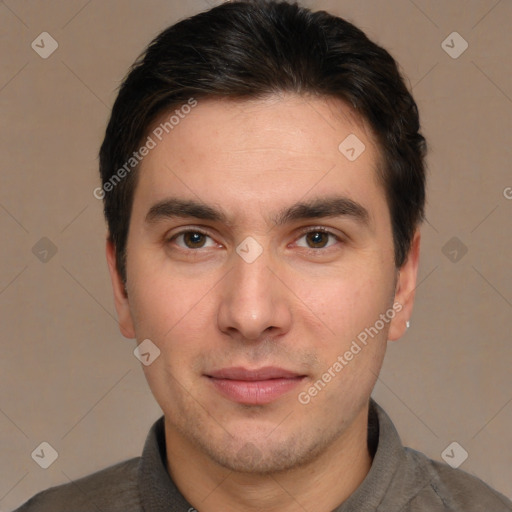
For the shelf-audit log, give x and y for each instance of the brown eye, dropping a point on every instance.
(317, 239)
(194, 240)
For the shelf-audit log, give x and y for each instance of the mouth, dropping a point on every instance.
(254, 387)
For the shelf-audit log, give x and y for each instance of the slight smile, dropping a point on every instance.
(254, 387)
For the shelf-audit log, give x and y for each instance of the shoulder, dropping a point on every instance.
(113, 489)
(447, 488)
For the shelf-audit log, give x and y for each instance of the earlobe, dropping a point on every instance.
(120, 297)
(405, 290)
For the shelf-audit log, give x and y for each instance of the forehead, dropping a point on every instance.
(266, 152)
(288, 123)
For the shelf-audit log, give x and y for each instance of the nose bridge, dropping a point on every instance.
(252, 301)
(253, 279)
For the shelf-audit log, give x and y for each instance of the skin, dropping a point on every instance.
(297, 307)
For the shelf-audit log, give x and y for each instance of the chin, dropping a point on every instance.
(261, 456)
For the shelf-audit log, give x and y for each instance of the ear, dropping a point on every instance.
(405, 290)
(120, 297)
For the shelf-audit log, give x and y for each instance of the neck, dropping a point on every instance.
(321, 485)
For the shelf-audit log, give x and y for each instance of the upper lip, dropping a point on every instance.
(265, 373)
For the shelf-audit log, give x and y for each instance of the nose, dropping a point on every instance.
(254, 303)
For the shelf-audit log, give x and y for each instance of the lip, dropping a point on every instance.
(254, 387)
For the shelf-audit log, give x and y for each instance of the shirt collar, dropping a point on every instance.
(388, 457)
(157, 490)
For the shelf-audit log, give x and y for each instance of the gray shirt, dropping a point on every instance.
(400, 480)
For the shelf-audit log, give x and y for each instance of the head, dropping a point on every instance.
(263, 184)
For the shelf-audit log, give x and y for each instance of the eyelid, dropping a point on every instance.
(189, 229)
(321, 229)
(318, 229)
(308, 229)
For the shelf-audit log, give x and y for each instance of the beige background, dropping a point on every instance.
(68, 377)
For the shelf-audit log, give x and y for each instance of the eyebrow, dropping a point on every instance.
(173, 207)
(324, 207)
(313, 209)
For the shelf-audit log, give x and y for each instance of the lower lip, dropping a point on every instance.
(255, 392)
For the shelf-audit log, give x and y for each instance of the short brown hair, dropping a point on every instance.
(252, 49)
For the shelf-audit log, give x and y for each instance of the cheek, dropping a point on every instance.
(166, 306)
(347, 303)
(175, 316)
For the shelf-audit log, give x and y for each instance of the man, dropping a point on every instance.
(263, 181)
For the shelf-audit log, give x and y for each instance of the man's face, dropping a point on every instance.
(257, 253)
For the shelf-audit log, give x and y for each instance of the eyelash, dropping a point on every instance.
(318, 229)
